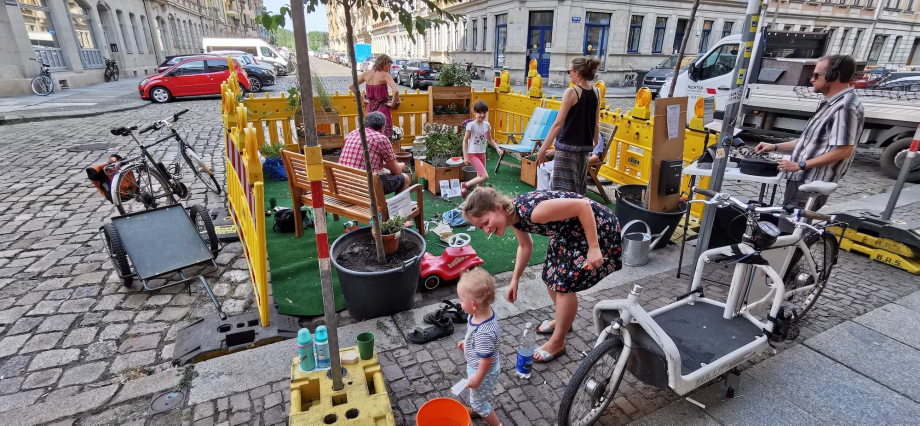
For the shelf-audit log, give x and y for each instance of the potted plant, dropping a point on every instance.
(391, 232)
(273, 166)
(326, 113)
(449, 101)
(442, 142)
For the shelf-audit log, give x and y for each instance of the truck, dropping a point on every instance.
(780, 100)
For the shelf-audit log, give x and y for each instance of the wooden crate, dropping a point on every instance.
(323, 117)
(331, 142)
(529, 172)
(442, 96)
(435, 174)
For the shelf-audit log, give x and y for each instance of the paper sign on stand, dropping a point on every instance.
(445, 188)
(400, 204)
(455, 188)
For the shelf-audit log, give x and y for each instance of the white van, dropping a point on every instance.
(258, 48)
(710, 75)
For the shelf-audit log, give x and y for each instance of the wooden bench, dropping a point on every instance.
(608, 131)
(345, 193)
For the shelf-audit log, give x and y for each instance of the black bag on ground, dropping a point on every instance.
(284, 221)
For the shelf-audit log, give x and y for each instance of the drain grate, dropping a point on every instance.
(88, 147)
(167, 401)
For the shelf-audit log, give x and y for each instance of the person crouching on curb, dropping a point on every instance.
(476, 290)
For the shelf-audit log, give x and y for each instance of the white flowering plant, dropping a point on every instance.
(396, 134)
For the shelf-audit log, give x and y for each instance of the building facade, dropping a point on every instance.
(361, 20)
(76, 36)
(883, 32)
(625, 34)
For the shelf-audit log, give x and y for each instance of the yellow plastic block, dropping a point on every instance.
(877, 242)
(883, 256)
(313, 157)
(362, 402)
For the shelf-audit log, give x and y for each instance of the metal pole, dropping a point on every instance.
(775, 13)
(902, 177)
(683, 46)
(301, 47)
(739, 76)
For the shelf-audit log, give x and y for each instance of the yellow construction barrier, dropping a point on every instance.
(879, 255)
(245, 191)
(362, 402)
(879, 243)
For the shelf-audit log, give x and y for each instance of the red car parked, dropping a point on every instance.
(194, 76)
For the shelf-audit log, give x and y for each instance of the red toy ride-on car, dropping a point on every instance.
(458, 257)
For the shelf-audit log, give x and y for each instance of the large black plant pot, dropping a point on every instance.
(629, 207)
(376, 294)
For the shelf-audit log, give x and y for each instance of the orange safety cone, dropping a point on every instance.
(443, 412)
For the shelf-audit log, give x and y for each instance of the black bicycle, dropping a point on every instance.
(42, 84)
(111, 70)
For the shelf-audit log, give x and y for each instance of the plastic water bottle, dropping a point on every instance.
(305, 349)
(525, 353)
(321, 344)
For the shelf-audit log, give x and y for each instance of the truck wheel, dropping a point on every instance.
(893, 159)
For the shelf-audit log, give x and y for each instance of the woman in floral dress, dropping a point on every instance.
(376, 91)
(584, 247)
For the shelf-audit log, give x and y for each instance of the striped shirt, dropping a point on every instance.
(838, 121)
(481, 340)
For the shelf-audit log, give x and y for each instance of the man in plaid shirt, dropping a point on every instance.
(825, 149)
(381, 153)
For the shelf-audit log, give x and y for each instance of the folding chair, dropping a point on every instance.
(607, 132)
(532, 138)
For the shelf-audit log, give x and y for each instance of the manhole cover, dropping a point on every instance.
(329, 373)
(167, 401)
(88, 147)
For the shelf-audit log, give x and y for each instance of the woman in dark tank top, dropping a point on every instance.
(575, 130)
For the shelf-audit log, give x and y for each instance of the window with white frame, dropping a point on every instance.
(597, 26)
(124, 30)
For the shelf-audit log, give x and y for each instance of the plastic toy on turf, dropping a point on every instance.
(459, 256)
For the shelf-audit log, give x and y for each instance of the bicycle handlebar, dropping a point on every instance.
(788, 212)
(176, 116)
(148, 128)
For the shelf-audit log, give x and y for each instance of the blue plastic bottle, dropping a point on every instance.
(525, 353)
(305, 349)
(321, 344)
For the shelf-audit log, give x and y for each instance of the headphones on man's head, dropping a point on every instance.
(833, 74)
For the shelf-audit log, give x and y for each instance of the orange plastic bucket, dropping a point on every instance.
(443, 412)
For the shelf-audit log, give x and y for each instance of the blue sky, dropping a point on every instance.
(316, 21)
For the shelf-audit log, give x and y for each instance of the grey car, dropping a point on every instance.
(416, 73)
(663, 71)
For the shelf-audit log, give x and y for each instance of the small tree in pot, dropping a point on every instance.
(392, 232)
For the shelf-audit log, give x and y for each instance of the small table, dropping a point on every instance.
(734, 173)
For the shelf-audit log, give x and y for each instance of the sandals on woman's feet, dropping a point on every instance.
(544, 328)
(448, 310)
(439, 330)
(463, 190)
(547, 357)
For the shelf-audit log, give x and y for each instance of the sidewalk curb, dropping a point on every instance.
(16, 118)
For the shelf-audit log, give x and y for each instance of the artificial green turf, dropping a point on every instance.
(295, 270)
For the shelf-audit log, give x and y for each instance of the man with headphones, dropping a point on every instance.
(825, 149)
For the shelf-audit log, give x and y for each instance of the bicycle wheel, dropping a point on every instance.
(593, 386)
(107, 76)
(201, 218)
(202, 171)
(141, 188)
(824, 255)
(117, 252)
(115, 73)
(42, 85)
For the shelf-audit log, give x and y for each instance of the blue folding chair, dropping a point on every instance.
(527, 143)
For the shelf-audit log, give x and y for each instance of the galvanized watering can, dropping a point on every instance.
(637, 245)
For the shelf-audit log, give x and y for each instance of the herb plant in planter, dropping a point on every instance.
(273, 167)
(391, 231)
(449, 101)
(441, 143)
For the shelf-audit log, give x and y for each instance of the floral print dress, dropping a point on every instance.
(568, 247)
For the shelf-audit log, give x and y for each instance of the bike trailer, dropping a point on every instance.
(102, 178)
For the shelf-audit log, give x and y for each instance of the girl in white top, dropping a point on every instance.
(478, 135)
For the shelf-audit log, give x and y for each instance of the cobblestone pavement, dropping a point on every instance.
(74, 340)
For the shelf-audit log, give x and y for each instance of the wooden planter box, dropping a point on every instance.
(529, 172)
(331, 142)
(435, 174)
(323, 117)
(442, 96)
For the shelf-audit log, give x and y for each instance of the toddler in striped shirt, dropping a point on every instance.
(476, 290)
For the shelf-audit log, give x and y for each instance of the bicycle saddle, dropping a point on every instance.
(819, 187)
(123, 131)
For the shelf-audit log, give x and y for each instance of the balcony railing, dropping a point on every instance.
(51, 56)
(91, 58)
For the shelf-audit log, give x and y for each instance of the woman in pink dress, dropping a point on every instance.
(376, 95)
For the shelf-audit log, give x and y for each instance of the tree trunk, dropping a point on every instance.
(350, 34)
(683, 46)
